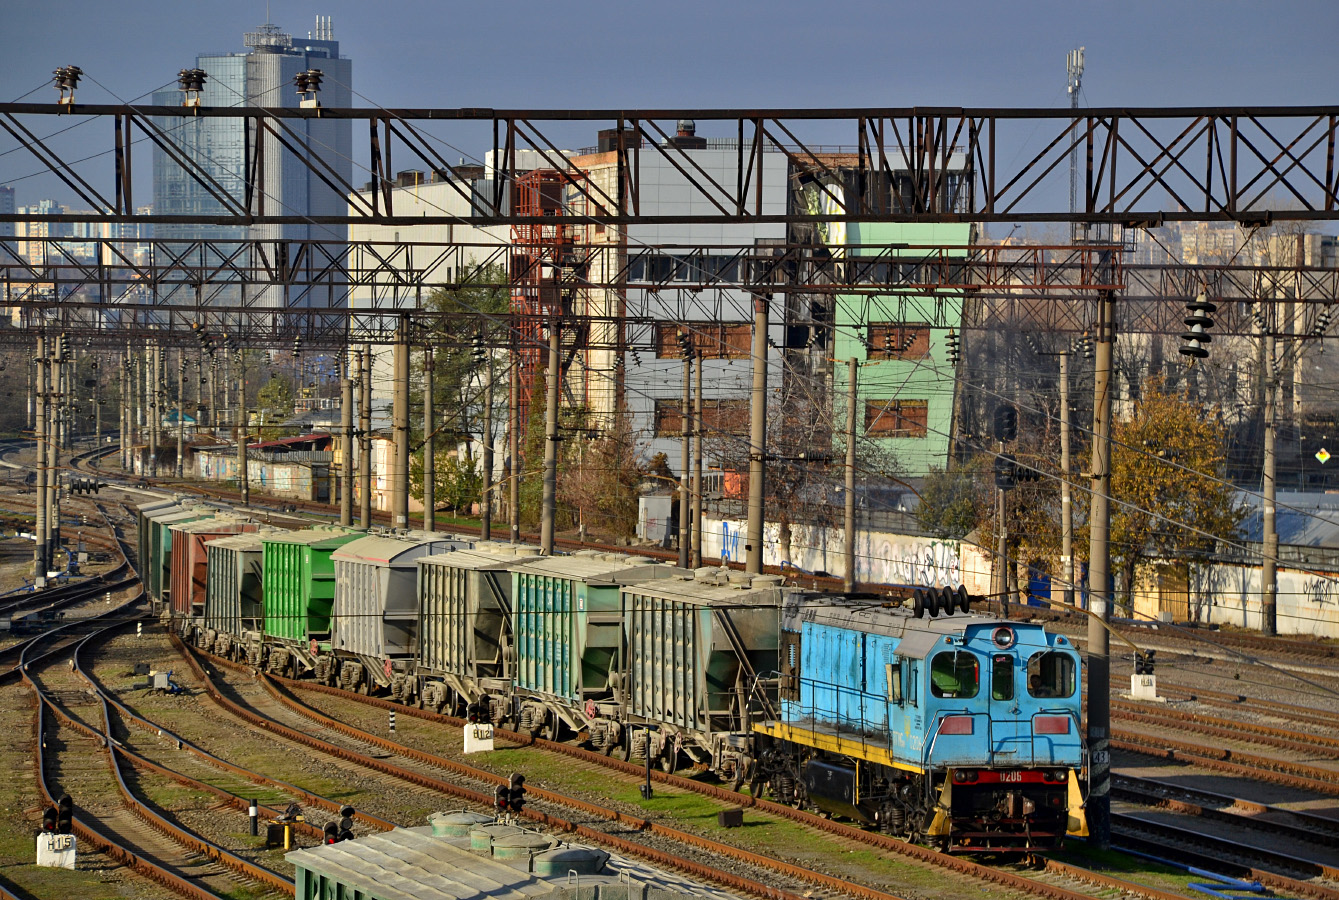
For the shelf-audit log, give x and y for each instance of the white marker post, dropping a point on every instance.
(56, 851)
(478, 737)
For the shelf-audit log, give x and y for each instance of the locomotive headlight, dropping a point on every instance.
(964, 776)
(1059, 776)
(1003, 637)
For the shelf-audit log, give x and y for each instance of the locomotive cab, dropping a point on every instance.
(1004, 729)
(962, 730)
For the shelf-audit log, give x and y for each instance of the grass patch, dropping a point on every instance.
(1125, 865)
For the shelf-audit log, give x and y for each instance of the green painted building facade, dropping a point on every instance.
(906, 384)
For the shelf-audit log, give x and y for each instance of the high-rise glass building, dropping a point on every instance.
(262, 75)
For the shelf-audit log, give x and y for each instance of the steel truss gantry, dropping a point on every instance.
(1137, 166)
(221, 285)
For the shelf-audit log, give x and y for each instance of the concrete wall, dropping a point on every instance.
(1308, 601)
(881, 557)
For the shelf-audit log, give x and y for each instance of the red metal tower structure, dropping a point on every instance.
(542, 247)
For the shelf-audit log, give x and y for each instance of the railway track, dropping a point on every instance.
(1057, 871)
(81, 754)
(1296, 826)
(1290, 712)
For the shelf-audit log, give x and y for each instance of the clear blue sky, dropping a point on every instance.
(709, 53)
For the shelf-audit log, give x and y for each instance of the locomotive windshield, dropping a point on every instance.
(955, 674)
(1050, 675)
(1002, 677)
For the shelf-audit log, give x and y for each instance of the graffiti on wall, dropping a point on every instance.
(881, 557)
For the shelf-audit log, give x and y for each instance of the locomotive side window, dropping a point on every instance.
(955, 674)
(1050, 675)
(1002, 677)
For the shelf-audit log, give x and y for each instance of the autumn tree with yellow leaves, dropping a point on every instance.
(1169, 498)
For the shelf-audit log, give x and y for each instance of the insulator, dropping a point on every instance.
(1198, 320)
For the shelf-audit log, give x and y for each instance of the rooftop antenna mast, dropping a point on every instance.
(1074, 69)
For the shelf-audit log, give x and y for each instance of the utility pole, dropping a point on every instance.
(213, 393)
(429, 447)
(1099, 584)
(400, 427)
(346, 450)
(243, 476)
(550, 444)
(181, 412)
(97, 403)
(1066, 497)
(151, 389)
(514, 448)
(486, 498)
(40, 439)
(852, 368)
(125, 410)
(53, 451)
(757, 439)
(697, 464)
(1000, 579)
(1270, 542)
(685, 453)
(365, 437)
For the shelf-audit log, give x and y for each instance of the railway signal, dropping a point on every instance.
(516, 792)
(1006, 423)
(64, 815)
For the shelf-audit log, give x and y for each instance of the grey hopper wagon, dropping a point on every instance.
(702, 662)
(234, 601)
(464, 607)
(374, 618)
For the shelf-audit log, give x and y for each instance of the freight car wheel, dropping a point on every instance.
(668, 762)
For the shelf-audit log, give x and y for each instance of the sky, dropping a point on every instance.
(705, 53)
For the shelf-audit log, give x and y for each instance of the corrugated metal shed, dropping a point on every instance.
(413, 864)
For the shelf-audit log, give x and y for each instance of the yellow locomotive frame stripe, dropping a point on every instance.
(833, 744)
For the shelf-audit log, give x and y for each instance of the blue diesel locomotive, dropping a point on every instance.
(960, 731)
